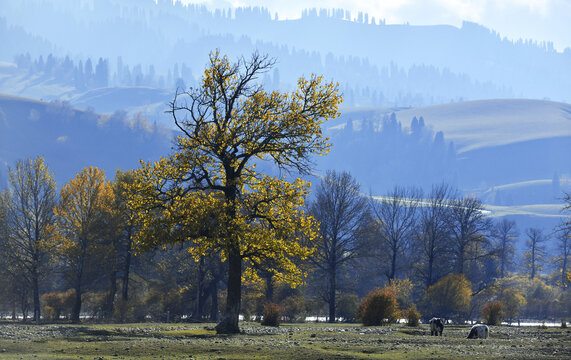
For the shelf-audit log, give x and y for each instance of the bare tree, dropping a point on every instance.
(567, 205)
(468, 224)
(565, 240)
(534, 257)
(340, 209)
(564, 252)
(128, 228)
(29, 215)
(505, 234)
(4, 198)
(396, 217)
(434, 232)
(7, 275)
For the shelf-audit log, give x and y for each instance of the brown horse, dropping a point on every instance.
(436, 326)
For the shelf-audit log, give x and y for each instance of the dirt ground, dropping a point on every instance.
(309, 341)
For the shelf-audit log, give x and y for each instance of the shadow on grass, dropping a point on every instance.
(413, 331)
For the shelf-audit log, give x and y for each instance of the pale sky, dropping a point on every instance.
(539, 20)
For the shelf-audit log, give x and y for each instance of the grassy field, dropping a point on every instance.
(308, 341)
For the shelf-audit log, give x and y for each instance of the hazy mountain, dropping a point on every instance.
(71, 139)
(376, 64)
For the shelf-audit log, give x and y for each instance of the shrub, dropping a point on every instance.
(52, 307)
(57, 304)
(493, 313)
(293, 308)
(92, 303)
(347, 305)
(512, 301)
(412, 316)
(272, 314)
(403, 291)
(379, 307)
(132, 310)
(541, 300)
(449, 297)
(50, 313)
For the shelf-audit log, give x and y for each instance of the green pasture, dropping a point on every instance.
(309, 341)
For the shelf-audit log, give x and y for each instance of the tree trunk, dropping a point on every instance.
(461, 260)
(126, 268)
(214, 298)
(109, 301)
(429, 276)
(76, 305)
(78, 279)
(36, 295)
(229, 323)
(14, 316)
(332, 290)
(393, 264)
(197, 314)
(564, 270)
(269, 286)
(25, 305)
(503, 259)
(533, 262)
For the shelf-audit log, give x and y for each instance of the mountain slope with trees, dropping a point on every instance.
(70, 139)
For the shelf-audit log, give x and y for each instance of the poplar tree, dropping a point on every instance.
(29, 214)
(341, 211)
(534, 256)
(80, 237)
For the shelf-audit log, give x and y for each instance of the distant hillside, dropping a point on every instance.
(134, 100)
(71, 139)
(509, 152)
(474, 125)
(107, 100)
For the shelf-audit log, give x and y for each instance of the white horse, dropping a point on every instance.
(479, 331)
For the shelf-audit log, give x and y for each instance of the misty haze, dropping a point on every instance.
(175, 172)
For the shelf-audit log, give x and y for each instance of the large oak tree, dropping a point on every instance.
(209, 190)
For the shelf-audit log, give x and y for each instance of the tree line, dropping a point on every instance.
(425, 238)
(413, 152)
(204, 234)
(90, 75)
(369, 86)
(73, 252)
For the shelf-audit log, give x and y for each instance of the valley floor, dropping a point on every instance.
(309, 341)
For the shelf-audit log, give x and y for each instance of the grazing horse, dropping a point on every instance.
(436, 326)
(479, 331)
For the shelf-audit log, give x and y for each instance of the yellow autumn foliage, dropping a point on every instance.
(209, 192)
